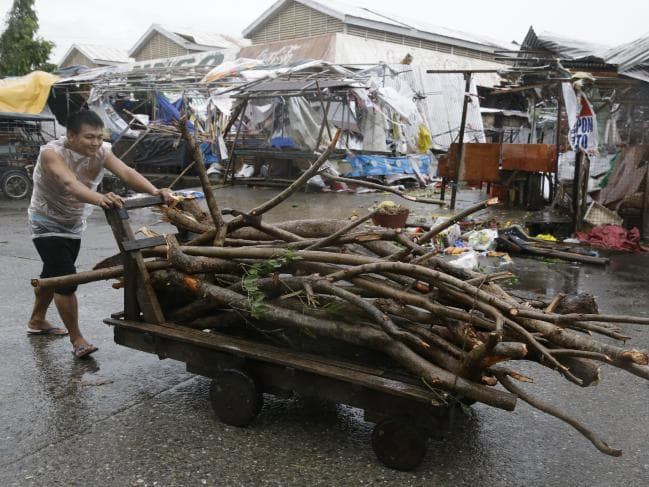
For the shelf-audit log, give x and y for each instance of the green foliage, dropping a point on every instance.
(511, 282)
(250, 281)
(21, 52)
(338, 310)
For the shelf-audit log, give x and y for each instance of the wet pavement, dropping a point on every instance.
(126, 418)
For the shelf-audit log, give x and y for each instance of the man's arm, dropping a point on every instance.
(55, 165)
(134, 179)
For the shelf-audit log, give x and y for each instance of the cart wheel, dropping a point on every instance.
(398, 445)
(235, 397)
(16, 184)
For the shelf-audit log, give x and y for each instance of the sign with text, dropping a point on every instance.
(583, 134)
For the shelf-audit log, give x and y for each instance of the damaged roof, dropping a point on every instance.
(189, 39)
(565, 47)
(630, 55)
(630, 59)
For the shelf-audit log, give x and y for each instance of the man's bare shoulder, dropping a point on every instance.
(49, 157)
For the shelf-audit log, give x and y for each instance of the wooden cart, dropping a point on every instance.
(242, 370)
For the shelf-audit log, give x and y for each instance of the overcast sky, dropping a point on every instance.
(120, 23)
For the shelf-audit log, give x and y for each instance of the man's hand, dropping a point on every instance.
(166, 194)
(110, 200)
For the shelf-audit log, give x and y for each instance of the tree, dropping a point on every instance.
(21, 51)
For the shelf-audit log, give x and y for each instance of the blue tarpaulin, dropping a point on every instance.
(370, 165)
(208, 156)
(168, 111)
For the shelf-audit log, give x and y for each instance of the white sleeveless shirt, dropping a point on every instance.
(53, 211)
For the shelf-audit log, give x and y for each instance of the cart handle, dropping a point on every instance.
(142, 202)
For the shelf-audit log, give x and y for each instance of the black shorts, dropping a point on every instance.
(58, 255)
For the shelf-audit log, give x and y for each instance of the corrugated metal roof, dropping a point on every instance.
(566, 47)
(190, 40)
(631, 58)
(637, 73)
(409, 23)
(352, 14)
(299, 85)
(104, 53)
(210, 39)
(99, 54)
(630, 55)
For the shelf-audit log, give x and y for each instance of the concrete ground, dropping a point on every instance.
(126, 418)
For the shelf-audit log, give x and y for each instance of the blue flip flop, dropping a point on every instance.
(48, 331)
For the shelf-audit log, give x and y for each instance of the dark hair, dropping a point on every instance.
(84, 117)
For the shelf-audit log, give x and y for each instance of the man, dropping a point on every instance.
(66, 176)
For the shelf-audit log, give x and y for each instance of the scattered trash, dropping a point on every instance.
(482, 240)
(515, 240)
(493, 253)
(449, 236)
(547, 237)
(189, 194)
(456, 250)
(246, 171)
(469, 261)
(597, 215)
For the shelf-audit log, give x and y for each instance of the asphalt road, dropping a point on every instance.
(127, 418)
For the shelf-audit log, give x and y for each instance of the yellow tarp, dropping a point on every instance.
(27, 94)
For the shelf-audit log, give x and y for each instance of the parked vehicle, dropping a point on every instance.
(21, 136)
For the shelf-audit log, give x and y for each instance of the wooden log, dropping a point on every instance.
(587, 259)
(346, 229)
(551, 410)
(563, 338)
(310, 228)
(299, 182)
(213, 207)
(104, 274)
(433, 375)
(576, 317)
(381, 187)
(180, 219)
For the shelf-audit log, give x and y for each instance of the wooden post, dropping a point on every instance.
(325, 123)
(460, 153)
(585, 177)
(557, 140)
(580, 189)
(645, 206)
(576, 198)
(325, 115)
(231, 159)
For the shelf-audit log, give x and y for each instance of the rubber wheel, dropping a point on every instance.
(16, 184)
(398, 445)
(235, 397)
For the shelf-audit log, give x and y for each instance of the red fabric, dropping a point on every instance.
(614, 237)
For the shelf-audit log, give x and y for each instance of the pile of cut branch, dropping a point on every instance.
(373, 289)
